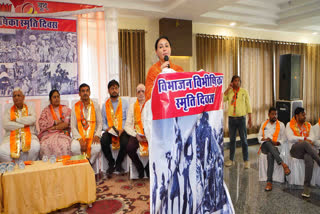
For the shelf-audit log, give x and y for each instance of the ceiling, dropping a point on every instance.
(301, 16)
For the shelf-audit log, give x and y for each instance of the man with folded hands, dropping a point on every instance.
(19, 123)
(114, 114)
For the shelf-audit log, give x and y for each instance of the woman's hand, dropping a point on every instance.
(165, 65)
(56, 122)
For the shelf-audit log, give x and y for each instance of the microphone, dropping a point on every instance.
(166, 58)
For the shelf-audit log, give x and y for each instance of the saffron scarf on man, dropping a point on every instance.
(86, 127)
(234, 100)
(297, 130)
(114, 118)
(138, 126)
(275, 134)
(22, 135)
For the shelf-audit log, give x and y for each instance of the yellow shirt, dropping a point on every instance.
(243, 106)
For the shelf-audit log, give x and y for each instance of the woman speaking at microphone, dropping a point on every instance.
(163, 51)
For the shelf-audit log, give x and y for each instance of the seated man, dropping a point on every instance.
(19, 123)
(114, 114)
(298, 131)
(134, 127)
(271, 135)
(315, 135)
(86, 125)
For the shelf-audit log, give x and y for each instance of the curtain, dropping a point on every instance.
(311, 96)
(111, 17)
(132, 60)
(256, 57)
(92, 53)
(218, 54)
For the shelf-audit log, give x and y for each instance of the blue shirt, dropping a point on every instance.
(125, 106)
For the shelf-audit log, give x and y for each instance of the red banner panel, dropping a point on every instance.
(186, 93)
(36, 7)
(47, 24)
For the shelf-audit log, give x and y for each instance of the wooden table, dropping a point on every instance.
(44, 187)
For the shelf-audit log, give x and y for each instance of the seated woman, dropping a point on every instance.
(54, 124)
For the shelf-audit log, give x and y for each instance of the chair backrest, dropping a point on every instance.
(129, 99)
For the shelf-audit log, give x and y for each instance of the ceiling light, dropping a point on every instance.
(315, 33)
(233, 24)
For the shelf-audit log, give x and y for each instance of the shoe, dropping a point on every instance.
(110, 171)
(229, 163)
(286, 169)
(141, 174)
(147, 170)
(247, 164)
(268, 187)
(306, 192)
(119, 169)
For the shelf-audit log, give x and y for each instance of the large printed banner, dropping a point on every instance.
(186, 93)
(37, 55)
(36, 7)
(48, 24)
(186, 150)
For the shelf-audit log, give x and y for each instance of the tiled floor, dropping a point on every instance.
(248, 195)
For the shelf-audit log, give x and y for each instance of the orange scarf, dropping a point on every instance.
(234, 100)
(54, 116)
(275, 134)
(114, 119)
(297, 130)
(22, 135)
(144, 151)
(86, 127)
(319, 121)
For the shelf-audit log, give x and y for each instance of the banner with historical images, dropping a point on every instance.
(37, 55)
(186, 154)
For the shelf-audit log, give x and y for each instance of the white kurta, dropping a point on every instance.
(129, 125)
(20, 122)
(269, 131)
(292, 139)
(315, 135)
(146, 117)
(75, 144)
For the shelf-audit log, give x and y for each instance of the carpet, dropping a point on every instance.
(118, 195)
